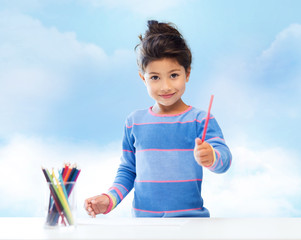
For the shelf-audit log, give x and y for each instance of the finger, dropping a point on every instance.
(86, 204)
(93, 214)
(88, 201)
(202, 151)
(205, 153)
(94, 206)
(90, 209)
(198, 142)
(204, 145)
(206, 162)
(97, 206)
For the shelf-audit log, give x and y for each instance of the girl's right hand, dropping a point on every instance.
(96, 205)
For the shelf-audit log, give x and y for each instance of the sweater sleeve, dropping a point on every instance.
(215, 138)
(126, 173)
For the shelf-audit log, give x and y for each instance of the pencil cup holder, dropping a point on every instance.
(60, 204)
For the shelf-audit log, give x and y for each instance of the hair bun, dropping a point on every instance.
(151, 23)
(154, 27)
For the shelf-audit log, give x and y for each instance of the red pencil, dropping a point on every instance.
(207, 118)
(67, 174)
(65, 170)
(55, 199)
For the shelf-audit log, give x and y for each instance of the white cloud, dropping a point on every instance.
(280, 64)
(252, 92)
(39, 68)
(286, 42)
(23, 187)
(260, 183)
(26, 42)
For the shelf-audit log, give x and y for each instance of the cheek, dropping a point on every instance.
(151, 88)
(181, 87)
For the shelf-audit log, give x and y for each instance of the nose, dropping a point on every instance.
(165, 85)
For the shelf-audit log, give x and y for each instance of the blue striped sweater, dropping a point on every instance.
(158, 162)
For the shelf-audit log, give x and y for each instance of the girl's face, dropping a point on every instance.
(165, 80)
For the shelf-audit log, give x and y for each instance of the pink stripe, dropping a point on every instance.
(182, 210)
(137, 124)
(215, 138)
(205, 119)
(127, 150)
(219, 157)
(118, 192)
(164, 150)
(121, 186)
(195, 120)
(170, 181)
(168, 115)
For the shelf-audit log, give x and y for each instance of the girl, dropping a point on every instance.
(163, 155)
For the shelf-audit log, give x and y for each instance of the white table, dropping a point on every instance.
(152, 228)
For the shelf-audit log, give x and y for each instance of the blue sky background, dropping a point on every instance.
(68, 79)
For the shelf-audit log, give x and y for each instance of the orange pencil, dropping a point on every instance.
(67, 174)
(65, 170)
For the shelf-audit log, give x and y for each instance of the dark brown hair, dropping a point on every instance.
(162, 40)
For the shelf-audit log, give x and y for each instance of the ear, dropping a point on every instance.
(188, 74)
(142, 77)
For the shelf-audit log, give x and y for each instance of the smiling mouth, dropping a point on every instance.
(167, 95)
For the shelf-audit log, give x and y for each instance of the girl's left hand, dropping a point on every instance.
(203, 153)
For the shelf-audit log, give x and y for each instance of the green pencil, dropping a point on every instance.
(63, 202)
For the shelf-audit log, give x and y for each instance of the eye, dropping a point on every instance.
(174, 75)
(154, 77)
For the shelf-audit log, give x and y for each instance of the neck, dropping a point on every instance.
(176, 108)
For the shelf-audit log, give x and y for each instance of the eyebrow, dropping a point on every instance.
(173, 70)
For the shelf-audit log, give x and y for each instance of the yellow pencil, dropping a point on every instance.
(64, 202)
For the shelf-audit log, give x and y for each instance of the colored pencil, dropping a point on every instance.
(62, 199)
(63, 185)
(207, 119)
(55, 199)
(67, 174)
(65, 170)
(71, 186)
(60, 190)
